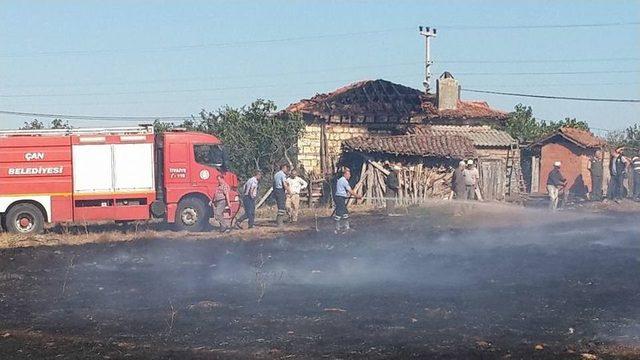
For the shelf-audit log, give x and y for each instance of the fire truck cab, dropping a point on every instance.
(121, 174)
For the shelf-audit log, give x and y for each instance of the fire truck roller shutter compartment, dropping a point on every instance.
(113, 168)
(92, 168)
(133, 167)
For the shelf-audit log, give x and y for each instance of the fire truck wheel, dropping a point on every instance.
(24, 219)
(192, 215)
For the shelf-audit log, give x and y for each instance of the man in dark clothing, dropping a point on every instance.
(635, 165)
(249, 195)
(596, 170)
(555, 181)
(618, 171)
(457, 182)
(279, 191)
(393, 184)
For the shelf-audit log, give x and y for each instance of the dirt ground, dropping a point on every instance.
(482, 281)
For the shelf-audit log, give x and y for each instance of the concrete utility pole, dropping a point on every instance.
(427, 32)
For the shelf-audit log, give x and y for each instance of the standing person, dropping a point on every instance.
(618, 170)
(295, 184)
(343, 190)
(249, 195)
(457, 182)
(393, 184)
(471, 177)
(555, 181)
(596, 170)
(279, 191)
(635, 165)
(220, 203)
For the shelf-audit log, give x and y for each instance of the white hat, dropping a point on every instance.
(462, 162)
(469, 162)
(557, 163)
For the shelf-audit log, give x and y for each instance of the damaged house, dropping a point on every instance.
(374, 108)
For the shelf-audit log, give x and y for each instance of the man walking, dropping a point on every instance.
(471, 176)
(249, 195)
(221, 203)
(555, 181)
(343, 190)
(279, 191)
(392, 184)
(618, 170)
(635, 165)
(596, 170)
(295, 184)
(457, 182)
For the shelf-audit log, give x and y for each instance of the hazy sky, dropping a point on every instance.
(173, 58)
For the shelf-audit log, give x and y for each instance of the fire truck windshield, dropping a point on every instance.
(210, 155)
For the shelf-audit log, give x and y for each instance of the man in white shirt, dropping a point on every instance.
(471, 177)
(295, 185)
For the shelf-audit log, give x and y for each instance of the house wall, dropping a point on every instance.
(574, 167)
(309, 145)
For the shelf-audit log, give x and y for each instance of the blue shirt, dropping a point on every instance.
(342, 187)
(278, 180)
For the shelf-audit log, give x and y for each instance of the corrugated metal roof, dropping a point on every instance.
(482, 136)
(450, 146)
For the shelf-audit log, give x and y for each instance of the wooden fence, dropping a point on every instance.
(417, 183)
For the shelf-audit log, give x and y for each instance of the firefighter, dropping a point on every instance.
(280, 187)
(249, 195)
(343, 190)
(220, 203)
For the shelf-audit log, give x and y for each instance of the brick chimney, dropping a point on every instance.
(447, 92)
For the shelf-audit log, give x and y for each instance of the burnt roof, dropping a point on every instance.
(376, 101)
(579, 137)
(449, 146)
(482, 136)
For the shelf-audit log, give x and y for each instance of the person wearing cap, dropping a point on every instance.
(457, 182)
(343, 191)
(392, 186)
(555, 182)
(471, 177)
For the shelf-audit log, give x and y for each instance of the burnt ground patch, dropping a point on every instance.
(404, 287)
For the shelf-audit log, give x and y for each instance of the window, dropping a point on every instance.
(210, 155)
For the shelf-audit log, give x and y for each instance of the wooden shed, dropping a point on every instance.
(573, 148)
(426, 161)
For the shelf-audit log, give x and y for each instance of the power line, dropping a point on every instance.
(552, 96)
(541, 26)
(94, 117)
(310, 37)
(244, 87)
(324, 70)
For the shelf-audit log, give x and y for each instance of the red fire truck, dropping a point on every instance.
(121, 174)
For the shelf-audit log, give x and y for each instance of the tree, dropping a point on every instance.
(629, 138)
(34, 124)
(253, 136)
(523, 126)
(59, 124)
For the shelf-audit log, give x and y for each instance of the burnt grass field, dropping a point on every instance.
(418, 286)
